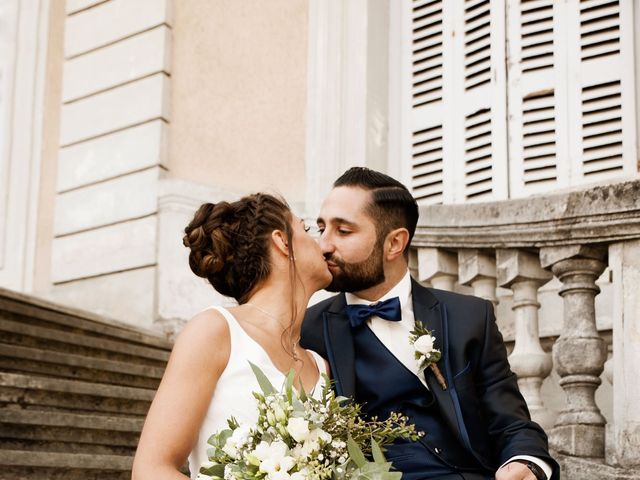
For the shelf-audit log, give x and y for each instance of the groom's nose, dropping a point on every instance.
(326, 245)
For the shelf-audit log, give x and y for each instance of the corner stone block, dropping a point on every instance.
(551, 255)
(517, 265)
(434, 262)
(474, 265)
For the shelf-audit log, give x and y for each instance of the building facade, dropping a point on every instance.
(119, 117)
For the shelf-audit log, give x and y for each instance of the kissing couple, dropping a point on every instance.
(259, 252)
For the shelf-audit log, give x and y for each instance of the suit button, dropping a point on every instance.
(437, 450)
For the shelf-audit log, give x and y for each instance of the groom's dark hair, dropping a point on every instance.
(392, 205)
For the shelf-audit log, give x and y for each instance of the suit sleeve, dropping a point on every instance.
(509, 423)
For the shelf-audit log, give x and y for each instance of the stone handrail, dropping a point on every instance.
(600, 214)
(521, 244)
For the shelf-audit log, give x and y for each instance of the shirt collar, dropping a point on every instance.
(402, 290)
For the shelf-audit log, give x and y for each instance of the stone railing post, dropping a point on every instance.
(438, 267)
(624, 259)
(521, 272)
(414, 268)
(579, 353)
(478, 270)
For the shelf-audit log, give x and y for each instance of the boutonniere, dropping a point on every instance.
(427, 356)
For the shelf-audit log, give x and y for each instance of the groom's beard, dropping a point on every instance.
(355, 277)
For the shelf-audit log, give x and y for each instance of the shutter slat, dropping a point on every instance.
(539, 150)
(604, 11)
(539, 138)
(545, 40)
(547, 162)
(543, 125)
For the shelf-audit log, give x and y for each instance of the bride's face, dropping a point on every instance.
(310, 262)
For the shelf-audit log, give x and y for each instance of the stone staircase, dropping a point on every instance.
(74, 391)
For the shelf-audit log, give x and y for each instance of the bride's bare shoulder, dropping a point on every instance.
(206, 325)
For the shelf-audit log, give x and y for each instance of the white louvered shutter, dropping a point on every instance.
(423, 44)
(537, 85)
(602, 125)
(454, 79)
(479, 102)
(602, 104)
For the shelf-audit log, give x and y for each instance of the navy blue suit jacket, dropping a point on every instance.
(482, 406)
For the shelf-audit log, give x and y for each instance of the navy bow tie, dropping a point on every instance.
(389, 310)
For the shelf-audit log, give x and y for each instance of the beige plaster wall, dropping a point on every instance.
(238, 94)
(50, 134)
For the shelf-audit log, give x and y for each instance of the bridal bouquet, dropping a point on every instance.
(298, 437)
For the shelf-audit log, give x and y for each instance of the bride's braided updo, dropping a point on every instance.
(229, 242)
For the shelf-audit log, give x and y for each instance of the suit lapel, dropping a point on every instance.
(339, 343)
(428, 310)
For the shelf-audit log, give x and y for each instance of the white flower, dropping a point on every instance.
(273, 459)
(301, 475)
(308, 448)
(319, 434)
(238, 438)
(279, 475)
(424, 344)
(279, 413)
(228, 475)
(298, 428)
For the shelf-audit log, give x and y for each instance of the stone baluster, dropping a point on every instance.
(478, 269)
(438, 267)
(579, 353)
(624, 259)
(521, 272)
(414, 268)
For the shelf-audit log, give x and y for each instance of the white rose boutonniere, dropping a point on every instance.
(425, 353)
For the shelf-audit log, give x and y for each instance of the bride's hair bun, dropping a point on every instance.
(229, 242)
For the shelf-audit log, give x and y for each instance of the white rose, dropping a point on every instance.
(424, 344)
(298, 428)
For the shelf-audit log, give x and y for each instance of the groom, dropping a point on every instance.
(476, 422)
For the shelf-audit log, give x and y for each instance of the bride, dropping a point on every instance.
(256, 251)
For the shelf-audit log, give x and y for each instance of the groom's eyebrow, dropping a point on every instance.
(338, 221)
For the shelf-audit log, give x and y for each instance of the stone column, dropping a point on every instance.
(521, 272)
(625, 264)
(579, 353)
(414, 268)
(438, 267)
(478, 269)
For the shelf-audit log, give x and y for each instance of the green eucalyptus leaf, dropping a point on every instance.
(288, 386)
(378, 456)
(356, 453)
(263, 381)
(214, 471)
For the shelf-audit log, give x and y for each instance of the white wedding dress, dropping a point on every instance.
(233, 394)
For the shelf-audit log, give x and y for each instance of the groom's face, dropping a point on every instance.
(349, 240)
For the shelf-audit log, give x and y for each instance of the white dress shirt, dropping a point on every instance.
(395, 337)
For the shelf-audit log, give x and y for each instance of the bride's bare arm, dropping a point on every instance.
(199, 357)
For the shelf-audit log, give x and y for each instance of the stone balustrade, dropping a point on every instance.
(521, 245)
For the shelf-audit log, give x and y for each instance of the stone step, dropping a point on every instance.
(71, 420)
(27, 465)
(63, 432)
(27, 391)
(17, 359)
(24, 334)
(37, 310)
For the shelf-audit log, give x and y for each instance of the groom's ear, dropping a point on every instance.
(395, 244)
(280, 241)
